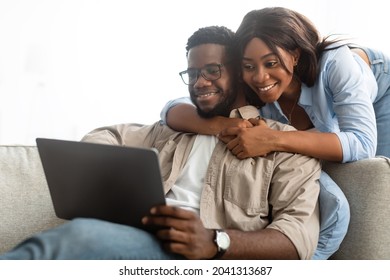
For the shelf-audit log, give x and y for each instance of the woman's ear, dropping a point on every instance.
(296, 55)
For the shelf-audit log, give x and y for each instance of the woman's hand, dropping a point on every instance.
(249, 142)
(184, 232)
(225, 123)
(231, 123)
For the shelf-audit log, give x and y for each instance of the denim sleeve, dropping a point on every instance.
(353, 86)
(172, 103)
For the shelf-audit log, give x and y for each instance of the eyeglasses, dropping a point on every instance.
(211, 72)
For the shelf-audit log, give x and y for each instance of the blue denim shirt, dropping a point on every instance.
(340, 102)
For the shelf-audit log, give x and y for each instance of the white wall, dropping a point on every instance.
(68, 66)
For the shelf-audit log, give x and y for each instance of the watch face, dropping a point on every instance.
(223, 240)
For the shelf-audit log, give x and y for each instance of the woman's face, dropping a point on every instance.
(264, 73)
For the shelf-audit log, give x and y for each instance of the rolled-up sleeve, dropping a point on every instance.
(125, 135)
(353, 88)
(294, 200)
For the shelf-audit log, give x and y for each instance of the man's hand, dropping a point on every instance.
(249, 142)
(184, 233)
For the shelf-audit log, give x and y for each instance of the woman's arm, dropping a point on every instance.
(184, 117)
(180, 114)
(321, 145)
(260, 140)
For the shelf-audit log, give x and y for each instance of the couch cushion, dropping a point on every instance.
(25, 204)
(366, 184)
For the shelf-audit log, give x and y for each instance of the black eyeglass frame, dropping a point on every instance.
(202, 72)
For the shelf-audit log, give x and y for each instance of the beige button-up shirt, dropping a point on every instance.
(279, 191)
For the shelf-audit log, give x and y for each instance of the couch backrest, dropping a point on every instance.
(366, 184)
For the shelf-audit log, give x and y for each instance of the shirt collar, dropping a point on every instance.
(306, 97)
(245, 112)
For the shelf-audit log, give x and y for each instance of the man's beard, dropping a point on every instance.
(221, 109)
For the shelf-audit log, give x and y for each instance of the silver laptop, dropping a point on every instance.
(114, 183)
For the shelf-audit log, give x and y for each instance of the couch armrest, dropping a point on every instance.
(25, 203)
(366, 184)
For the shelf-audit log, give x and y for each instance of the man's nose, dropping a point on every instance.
(202, 82)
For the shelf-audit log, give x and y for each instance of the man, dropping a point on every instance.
(218, 206)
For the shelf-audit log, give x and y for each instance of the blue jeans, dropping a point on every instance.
(334, 218)
(90, 239)
(380, 66)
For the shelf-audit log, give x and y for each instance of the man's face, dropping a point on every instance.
(216, 97)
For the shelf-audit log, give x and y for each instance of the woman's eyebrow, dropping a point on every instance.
(262, 57)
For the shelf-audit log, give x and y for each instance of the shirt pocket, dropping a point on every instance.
(247, 185)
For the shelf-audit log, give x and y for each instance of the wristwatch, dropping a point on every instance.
(222, 240)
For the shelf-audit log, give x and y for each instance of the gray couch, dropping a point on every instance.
(26, 208)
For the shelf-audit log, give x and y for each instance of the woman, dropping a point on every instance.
(319, 86)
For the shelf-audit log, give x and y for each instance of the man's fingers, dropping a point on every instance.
(172, 211)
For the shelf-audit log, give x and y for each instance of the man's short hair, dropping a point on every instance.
(220, 35)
